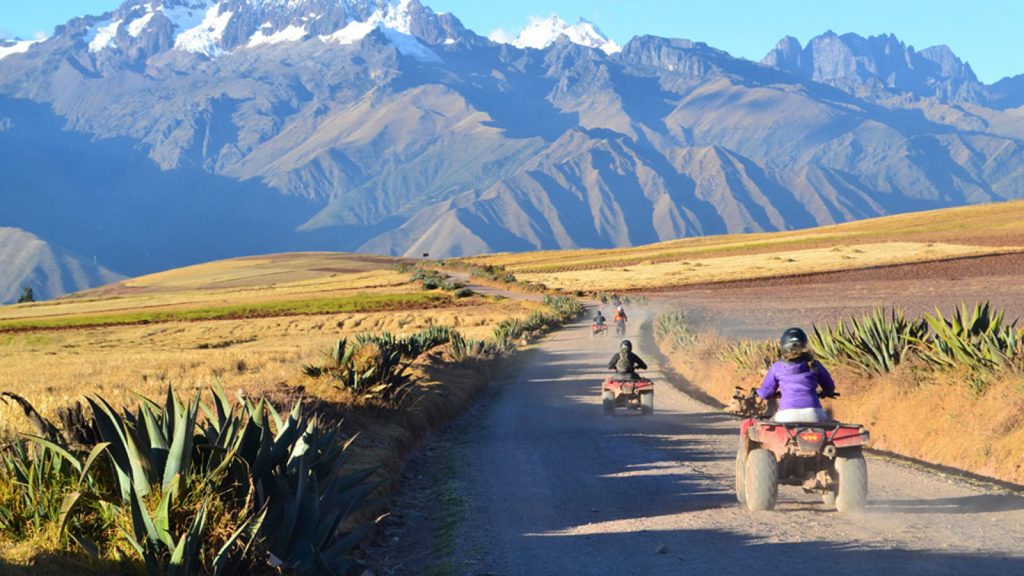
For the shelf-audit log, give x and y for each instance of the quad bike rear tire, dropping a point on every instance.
(852, 470)
(647, 403)
(608, 402)
(741, 474)
(762, 480)
(829, 499)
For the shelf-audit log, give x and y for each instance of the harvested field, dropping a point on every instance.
(764, 307)
(754, 266)
(919, 237)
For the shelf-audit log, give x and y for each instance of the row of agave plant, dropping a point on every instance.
(189, 488)
(978, 340)
(497, 274)
(375, 366)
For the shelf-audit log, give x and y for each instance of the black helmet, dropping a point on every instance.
(793, 342)
(626, 345)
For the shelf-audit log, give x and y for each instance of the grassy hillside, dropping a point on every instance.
(907, 238)
(254, 322)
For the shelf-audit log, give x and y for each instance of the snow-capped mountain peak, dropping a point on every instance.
(10, 47)
(216, 27)
(542, 32)
(395, 21)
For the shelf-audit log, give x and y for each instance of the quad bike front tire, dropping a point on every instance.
(762, 480)
(852, 470)
(608, 402)
(741, 474)
(647, 403)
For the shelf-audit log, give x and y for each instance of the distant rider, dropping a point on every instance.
(625, 362)
(599, 319)
(620, 314)
(797, 375)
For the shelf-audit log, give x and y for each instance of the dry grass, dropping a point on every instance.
(53, 368)
(936, 235)
(931, 418)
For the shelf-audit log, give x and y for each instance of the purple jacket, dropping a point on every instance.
(798, 383)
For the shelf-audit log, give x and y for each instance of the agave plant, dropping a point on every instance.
(463, 349)
(875, 343)
(751, 356)
(427, 339)
(674, 328)
(266, 470)
(978, 339)
(538, 321)
(565, 308)
(373, 366)
(508, 332)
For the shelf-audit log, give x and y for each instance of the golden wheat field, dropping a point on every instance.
(54, 367)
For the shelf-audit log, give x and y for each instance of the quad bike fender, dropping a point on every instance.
(627, 386)
(849, 436)
(745, 428)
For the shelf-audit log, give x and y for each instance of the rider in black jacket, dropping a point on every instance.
(625, 362)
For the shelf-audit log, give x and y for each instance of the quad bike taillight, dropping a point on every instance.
(810, 440)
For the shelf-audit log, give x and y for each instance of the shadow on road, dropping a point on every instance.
(724, 553)
(975, 504)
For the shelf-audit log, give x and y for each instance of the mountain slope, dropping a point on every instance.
(380, 125)
(28, 261)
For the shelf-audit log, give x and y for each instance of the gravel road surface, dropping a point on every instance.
(536, 481)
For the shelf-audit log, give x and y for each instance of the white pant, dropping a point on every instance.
(801, 415)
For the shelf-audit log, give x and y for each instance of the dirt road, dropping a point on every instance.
(536, 481)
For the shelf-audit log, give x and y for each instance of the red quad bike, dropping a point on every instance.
(624, 392)
(822, 457)
(598, 329)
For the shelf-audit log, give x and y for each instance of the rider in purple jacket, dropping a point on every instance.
(797, 376)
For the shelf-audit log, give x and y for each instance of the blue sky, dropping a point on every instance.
(986, 33)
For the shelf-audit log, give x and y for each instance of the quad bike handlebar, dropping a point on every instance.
(747, 403)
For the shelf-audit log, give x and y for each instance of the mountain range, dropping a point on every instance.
(169, 132)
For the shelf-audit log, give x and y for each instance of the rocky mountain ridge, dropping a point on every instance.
(195, 129)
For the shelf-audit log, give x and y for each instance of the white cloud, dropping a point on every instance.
(501, 36)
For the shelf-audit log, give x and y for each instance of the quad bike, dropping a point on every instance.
(822, 457)
(624, 392)
(620, 327)
(598, 329)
